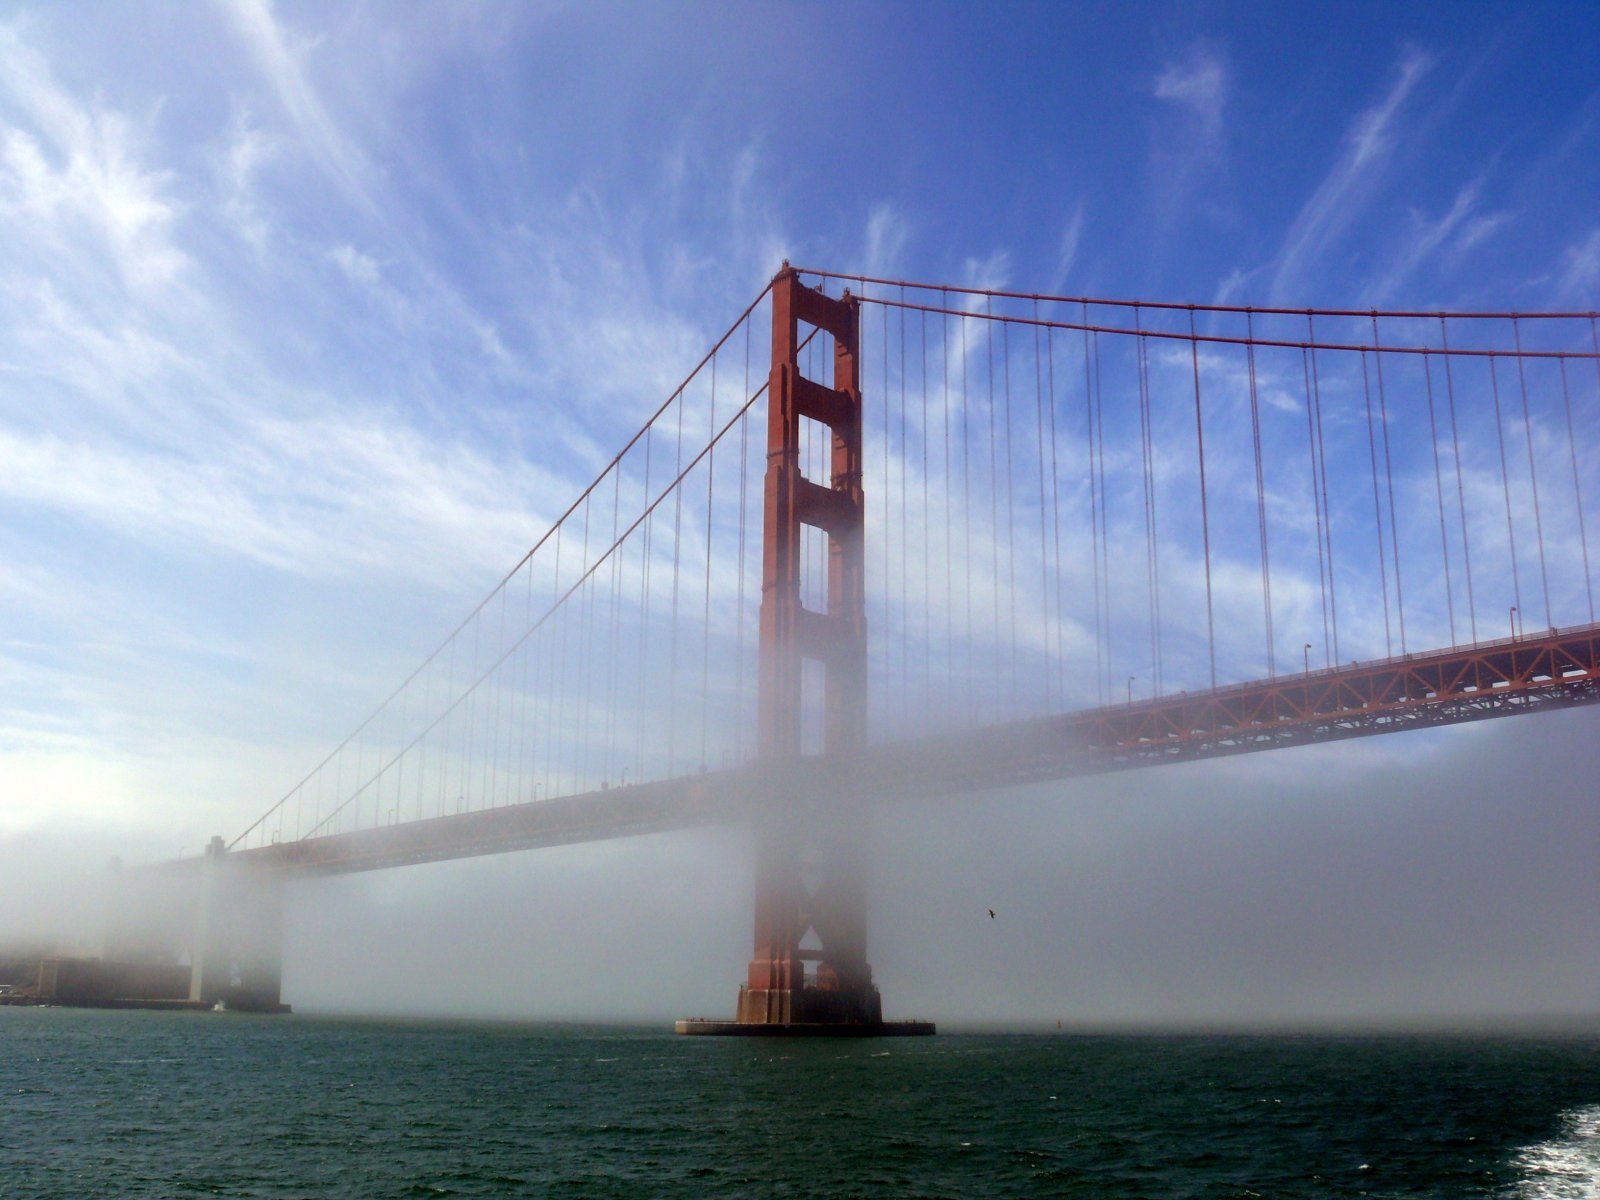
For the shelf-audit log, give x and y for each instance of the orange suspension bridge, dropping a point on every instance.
(888, 540)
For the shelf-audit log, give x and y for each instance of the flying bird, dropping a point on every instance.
(991, 914)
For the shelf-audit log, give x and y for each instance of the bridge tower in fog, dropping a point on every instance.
(809, 967)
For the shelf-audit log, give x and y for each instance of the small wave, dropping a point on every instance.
(1564, 1168)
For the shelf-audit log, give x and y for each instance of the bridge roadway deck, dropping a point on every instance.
(1557, 669)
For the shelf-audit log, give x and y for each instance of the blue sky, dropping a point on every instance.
(312, 318)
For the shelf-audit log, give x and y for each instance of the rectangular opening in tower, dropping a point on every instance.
(814, 568)
(816, 451)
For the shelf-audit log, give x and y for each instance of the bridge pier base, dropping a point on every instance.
(236, 958)
(809, 976)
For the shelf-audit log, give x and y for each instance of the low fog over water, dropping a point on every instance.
(1414, 878)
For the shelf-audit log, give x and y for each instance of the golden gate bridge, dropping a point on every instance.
(889, 540)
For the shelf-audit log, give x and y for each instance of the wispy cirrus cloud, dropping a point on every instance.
(318, 499)
(282, 59)
(1190, 135)
(70, 169)
(1462, 226)
(244, 153)
(1198, 82)
(1357, 175)
(888, 233)
(1067, 248)
(1578, 277)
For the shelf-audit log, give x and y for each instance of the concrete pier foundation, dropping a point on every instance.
(236, 958)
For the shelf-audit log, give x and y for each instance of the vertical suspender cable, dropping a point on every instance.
(1316, 504)
(888, 587)
(527, 751)
(585, 653)
(1594, 344)
(1146, 457)
(1205, 515)
(613, 630)
(903, 518)
(744, 504)
(1011, 524)
(926, 549)
(400, 763)
(677, 579)
(1577, 492)
(559, 683)
(1533, 472)
(564, 739)
(1105, 504)
(1155, 525)
(705, 640)
(542, 668)
(364, 790)
(422, 750)
(1056, 668)
(530, 716)
(642, 691)
(1322, 471)
(994, 503)
(1094, 509)
(491, 790)
(949, 567)
(1261, 493)
(1438, 491)
(1377, 507)
(1044, 554)
(471, 732)
(1388, 475)
(448, 739)
(1505, 487)
(966, 507)
(545, 669)
(1461, 493)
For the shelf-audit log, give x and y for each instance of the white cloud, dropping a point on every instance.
(327, 498)
(77, 170)
(1369, 145)
(888, 232)
(1189, 141)
(1231, 289)
(283, 61)
(1067, 250)
(1199, 82)
(1578, 281)
(1454, 231)
(245, 151)
(358, 267)
(990, 272)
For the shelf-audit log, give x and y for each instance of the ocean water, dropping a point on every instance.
(112, 1104)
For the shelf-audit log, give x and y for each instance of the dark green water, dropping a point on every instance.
(101, 1104)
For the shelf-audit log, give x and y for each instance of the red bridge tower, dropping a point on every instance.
(809, 972)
